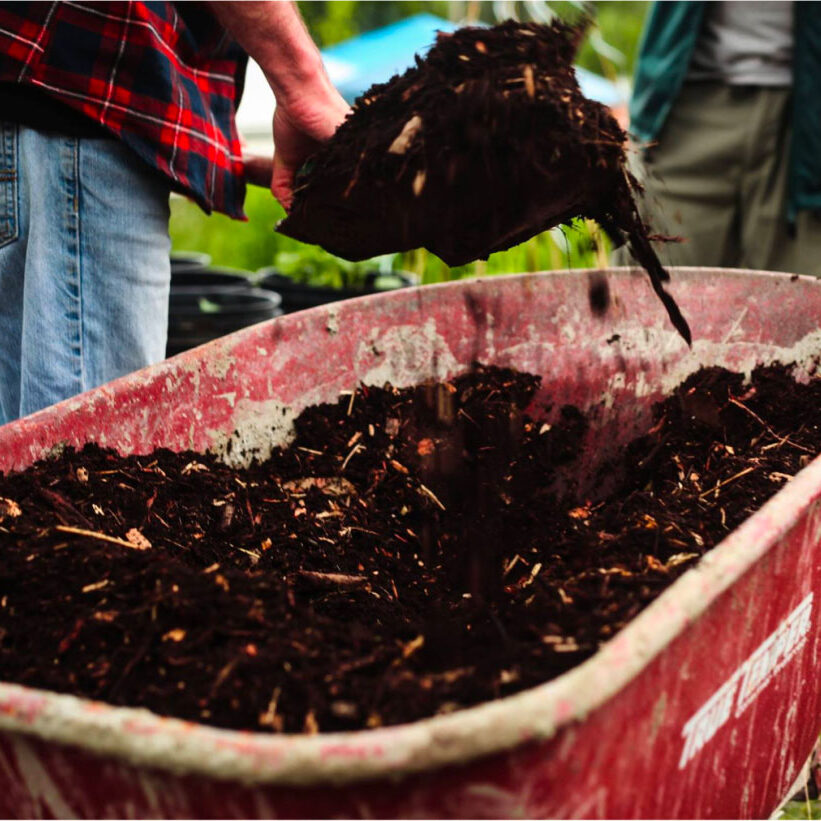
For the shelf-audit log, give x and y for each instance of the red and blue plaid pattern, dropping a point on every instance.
(163, 77)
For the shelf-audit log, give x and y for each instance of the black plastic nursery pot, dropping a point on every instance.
(199, 315)
(188, 261)
(203, 278)
(298, 296)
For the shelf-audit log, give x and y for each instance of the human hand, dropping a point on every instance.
(309, 108)
(299, 129)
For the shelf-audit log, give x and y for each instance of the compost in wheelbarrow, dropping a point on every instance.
(413, 552)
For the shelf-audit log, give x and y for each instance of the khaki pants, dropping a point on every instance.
(718, 178)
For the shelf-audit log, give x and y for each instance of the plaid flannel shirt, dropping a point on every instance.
(164, 78)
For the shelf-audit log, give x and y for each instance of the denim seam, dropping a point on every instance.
(78, 259)
(9, 188)
(70, 254)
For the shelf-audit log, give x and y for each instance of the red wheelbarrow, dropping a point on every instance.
(706, 705)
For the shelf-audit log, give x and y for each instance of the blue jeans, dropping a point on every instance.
(84, 266)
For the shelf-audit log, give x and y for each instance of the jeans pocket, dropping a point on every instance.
(8, 183)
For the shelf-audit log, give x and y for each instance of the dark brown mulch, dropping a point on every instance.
(486, 142)
(408, 555)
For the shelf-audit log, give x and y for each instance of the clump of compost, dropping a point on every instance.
(486, 142)
(334, 586)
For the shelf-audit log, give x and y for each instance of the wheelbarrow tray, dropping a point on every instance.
(705, 705)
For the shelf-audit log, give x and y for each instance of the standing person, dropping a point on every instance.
(727, 109)
(105, 108)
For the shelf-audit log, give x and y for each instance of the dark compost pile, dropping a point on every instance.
(408, 555)
(486, 142)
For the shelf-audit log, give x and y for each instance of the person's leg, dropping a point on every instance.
(800, 253)
(97, 267)
(768, 242)
(51, 355)
(126, 257)
(692, 176)
(12, 262)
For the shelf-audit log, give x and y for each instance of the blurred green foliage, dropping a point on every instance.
(801, 809)
(617, 22)
(332, 21)
(255, 244)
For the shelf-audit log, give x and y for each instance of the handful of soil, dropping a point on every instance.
(483, 144)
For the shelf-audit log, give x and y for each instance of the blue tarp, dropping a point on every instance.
(374, 57)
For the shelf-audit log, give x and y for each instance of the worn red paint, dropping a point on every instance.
(741, 629)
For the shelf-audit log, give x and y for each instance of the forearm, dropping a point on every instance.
(309, 109)
(274, 34)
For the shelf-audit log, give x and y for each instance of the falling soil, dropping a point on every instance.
(486, 142)
(409, 554)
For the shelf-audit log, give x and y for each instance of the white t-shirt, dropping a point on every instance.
(745, 43)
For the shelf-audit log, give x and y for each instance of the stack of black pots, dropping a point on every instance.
(297, 296)
(208, 302)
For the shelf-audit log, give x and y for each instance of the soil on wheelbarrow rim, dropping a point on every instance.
(411, 553)
(487, 141)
